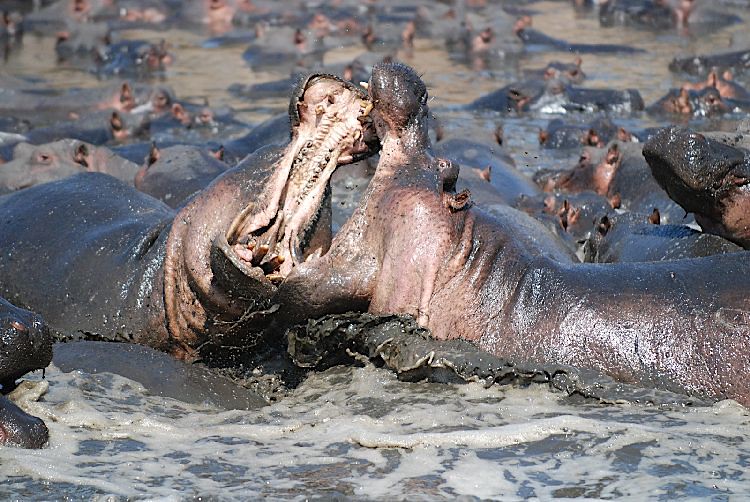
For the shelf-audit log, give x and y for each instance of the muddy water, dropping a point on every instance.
(358, 432)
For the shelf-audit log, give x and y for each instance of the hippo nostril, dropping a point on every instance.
(19, 326)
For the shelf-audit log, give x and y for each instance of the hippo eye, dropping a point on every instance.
(43, 158)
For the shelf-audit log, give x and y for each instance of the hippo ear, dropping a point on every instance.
(236, 277)
(655, 217)
(219, 154)
(126, 96)
(153, 154)
(499, 134)
(81, 155)
(116, 122)
(604, 225)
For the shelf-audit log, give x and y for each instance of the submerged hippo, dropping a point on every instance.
(707, 177)
(98, 258)
(35, 164)
(25, 345)
(413, 246)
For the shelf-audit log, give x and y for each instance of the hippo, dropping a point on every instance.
(25, 345)
(570, 73)
(724, 83)
(503, 282)
(532, 37)
(706, 102)
(706, 176)
(644, 13)
(634, 237)
(46, 106)
(35, 164)
(174, 174)
(557, 97)
(663, 15)
(559, 134)
(619, 173)
(138, 59)
(699, 66)
(117, 264)
(486, 170)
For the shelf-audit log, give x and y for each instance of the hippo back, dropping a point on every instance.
(75, 250)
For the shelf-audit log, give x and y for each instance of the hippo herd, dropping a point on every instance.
(128, 215)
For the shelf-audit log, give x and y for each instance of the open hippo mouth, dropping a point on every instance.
(330, 126)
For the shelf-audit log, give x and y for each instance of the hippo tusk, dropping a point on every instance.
(364, 85)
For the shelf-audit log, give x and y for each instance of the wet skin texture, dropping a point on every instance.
(707, 177)
(99, 259)
(25, 345)
(510, 287)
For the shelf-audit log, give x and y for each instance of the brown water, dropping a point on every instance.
(358, 432)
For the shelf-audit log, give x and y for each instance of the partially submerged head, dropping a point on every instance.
(35, 164)
(705, 102)
(706, 177)
(400, 100)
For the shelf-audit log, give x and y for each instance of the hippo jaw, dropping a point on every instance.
(706, 177)
(330, 126)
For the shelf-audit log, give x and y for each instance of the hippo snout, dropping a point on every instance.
(692, 168)
(20, 429)
(678, 155)
(25, 343)
(399, 94)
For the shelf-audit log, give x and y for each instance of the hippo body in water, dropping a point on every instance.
(25, 345)
(506, 284)
(532, 37)
(708, 175)
(174, 174)
(738, 62)
(555, 97)
(98, 258)
(634, 237)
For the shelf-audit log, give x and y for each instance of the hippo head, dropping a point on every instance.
(35, 164)
(400, 98)
(329, 127)
(25, 344)
(705, 177)
(704, 102)
(260, 220)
